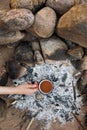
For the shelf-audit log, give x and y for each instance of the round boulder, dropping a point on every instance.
(45, 21)
(73, 25)
(18, 19)
(7, 37)
(28, 4)
(60, 6)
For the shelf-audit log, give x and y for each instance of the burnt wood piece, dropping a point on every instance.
(4, 79)
(3, 109)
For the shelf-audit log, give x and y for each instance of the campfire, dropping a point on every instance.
(64, 99)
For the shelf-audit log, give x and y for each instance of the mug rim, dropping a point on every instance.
(41, 83)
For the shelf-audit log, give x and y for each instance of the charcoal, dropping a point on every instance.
(86, 119)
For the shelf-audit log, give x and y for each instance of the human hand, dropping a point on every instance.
(27, 88)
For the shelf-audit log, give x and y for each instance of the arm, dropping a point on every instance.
(26, 89)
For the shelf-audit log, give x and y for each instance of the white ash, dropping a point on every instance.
(60, 103)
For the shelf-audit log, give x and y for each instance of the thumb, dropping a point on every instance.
(36, 84)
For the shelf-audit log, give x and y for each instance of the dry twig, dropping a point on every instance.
(30, 123)
(78, 121)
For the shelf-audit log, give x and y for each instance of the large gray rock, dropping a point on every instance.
(60, 6)
(18, 19)
(52, 49)
(7, 36)
(28, 4)
(45, 22)
(24, 53)
(73, 25)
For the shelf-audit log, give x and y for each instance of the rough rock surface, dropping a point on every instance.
(84, 78)
(18, 19)
(60, 6)
(38, 58)
(73, 25)
(6, 54)
(83, 1)
(4, 5)
(77, 52)
(14, 69)
(7, 37)
(3, 77)
(3, 109)
(82, 83)
(44, 25)
(35, 45)
(53, 48)
(29, 36)
(84, 63)
(2, 13)
(2, 71)
(24, 52)
(28, 4)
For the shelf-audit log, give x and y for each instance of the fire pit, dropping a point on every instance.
(58, 104)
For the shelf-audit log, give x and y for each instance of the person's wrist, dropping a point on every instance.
(18, 90)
